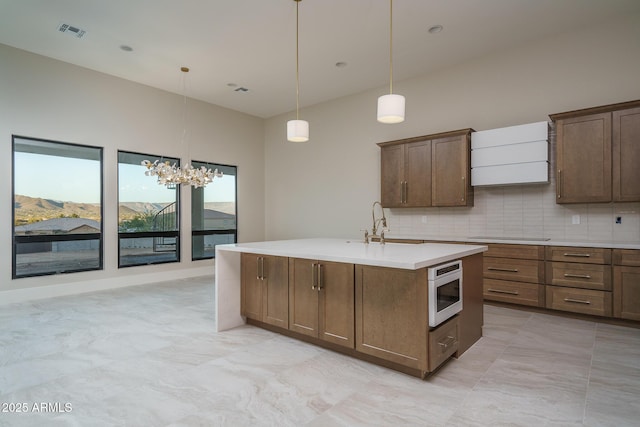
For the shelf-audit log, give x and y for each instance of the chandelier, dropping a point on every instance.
(172, 175)
(391, 106)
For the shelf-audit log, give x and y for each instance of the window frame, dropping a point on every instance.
(44, 238)
(149, 234)
(233, 231)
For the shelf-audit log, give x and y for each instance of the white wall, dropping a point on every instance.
(326, 187)
(49, 99)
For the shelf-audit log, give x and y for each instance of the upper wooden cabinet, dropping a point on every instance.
(429, 170)
(597, 153)
(406, 174)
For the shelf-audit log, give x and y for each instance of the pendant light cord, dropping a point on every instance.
(297, 62)
(390, 46)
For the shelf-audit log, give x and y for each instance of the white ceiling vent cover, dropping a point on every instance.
(511, 155)
(71, 30)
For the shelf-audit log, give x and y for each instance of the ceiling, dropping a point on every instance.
(251, 43)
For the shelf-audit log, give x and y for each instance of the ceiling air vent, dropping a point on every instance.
(70, 29)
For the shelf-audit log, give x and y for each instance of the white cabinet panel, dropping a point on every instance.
(511, 155)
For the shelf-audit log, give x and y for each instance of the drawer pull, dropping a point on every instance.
(500, 291)
(577, 276)
(577, 255)
(577, 301)
(450, 341)
(508, 270)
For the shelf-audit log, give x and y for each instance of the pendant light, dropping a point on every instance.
(391, 106)
(297, 130)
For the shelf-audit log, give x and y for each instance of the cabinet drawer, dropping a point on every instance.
(443, 343)
(521, 293)
(500, 250)
(628, 257)
(519, 270)
(582, 255)
(584, 301)
(586, 276)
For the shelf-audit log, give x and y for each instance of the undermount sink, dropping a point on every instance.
(537, 239)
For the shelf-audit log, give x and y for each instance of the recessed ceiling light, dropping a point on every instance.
(126, 48)
(435, 29)
(341, 64)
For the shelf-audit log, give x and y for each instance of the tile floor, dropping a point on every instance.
(149, 356)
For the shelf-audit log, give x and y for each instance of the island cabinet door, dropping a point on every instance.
(264, 289)
(250, 287)
(275, 290)
(337, 311)
(392, 315)
(321, 299)
(303, 296)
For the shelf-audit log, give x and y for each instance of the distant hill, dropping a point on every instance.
(34, 209)
(30, 209)
(226, 207)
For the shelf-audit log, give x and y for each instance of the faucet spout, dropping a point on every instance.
(377, 222)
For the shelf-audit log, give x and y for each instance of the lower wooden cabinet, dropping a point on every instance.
(531, 294)
(626, 284)
(585, 301)
(321, 300)
(264, 289)
(391, 315)
(443, 343)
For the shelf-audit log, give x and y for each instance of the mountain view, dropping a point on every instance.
(31, 209)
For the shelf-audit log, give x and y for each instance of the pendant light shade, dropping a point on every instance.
(297, 130)
(391, 106)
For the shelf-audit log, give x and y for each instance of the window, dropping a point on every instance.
(213, 212)
(148, 214)
(57, 207)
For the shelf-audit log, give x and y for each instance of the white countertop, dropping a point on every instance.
(519, 241)
(394, 255)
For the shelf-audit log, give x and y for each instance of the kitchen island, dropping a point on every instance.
(366, 300)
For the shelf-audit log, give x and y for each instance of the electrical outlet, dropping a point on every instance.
(575, 219)
(424, 219)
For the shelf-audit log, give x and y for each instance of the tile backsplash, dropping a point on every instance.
(522, 211)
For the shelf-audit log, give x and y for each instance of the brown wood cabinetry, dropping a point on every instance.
(429, 170)
(265, 289)
(392, 315)
(406, 174)
(321, 300)
(514, 274)
(626, 284)
(579, 280)
(451, 171)
(597, 153)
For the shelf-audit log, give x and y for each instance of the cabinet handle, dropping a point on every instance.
(313, 276)
(577, 255)
(500, 291)
(464, 189)
(559, 184)
(319, 277)
(449, 341)
(260, 268)
(577, 301)
(577, 276)
(404, 192)
(508, 270)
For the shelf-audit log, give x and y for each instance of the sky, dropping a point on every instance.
(78, 180)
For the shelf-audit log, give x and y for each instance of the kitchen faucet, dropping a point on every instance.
(377, 222)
